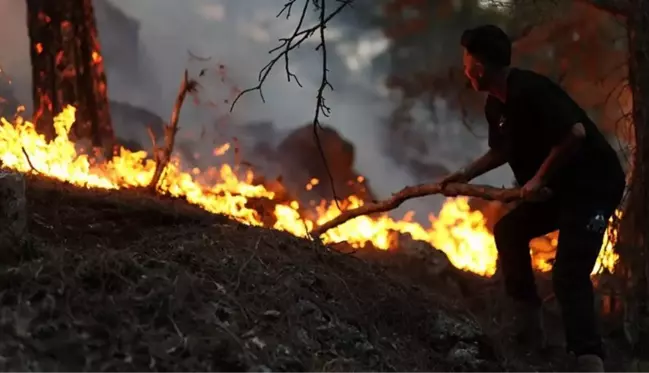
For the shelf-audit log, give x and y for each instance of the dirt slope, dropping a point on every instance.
(126, 281)
(121, 281)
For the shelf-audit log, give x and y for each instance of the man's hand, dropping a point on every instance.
(532, 188)
(456, 177)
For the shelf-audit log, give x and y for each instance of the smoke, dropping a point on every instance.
(14, 54)
(238, 35)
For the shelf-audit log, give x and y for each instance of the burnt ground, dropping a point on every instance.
(125, 281)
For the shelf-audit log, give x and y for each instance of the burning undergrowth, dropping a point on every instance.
(459, 231)
(124, 281)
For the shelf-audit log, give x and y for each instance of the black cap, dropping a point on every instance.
(488, 43)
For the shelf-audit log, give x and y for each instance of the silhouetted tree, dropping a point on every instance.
(67, 69)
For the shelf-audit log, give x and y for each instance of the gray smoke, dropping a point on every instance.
(14, 54)
(238, 34)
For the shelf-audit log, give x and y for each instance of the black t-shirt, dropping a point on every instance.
(536, 116)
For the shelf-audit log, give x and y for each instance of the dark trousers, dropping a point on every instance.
(580, 241)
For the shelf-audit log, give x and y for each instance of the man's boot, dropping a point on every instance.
(590, 363)
(528, 325)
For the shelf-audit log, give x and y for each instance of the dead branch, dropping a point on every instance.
(409, 192)
(154, 143)
(321, 106)
(29, 161)
(287, 45)
(163, 155)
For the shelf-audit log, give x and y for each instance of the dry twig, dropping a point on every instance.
(29, 161)
(450, 190)
(298, 288)
(163, 155)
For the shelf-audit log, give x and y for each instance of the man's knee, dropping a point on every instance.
(523, 223)
(507, 232)
(571, 279)
(562, 282)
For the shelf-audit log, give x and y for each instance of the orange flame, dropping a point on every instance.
(459, 232)
(219, 151)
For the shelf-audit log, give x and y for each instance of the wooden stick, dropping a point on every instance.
(409, 192)
(29, 161)
(163, 155)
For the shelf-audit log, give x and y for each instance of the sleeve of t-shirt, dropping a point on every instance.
(551, 102)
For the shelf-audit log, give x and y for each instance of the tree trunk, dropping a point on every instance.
(67, 69)
(633, 230)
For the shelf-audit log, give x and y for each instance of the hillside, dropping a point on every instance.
(120, 280)
(116, 279)
(123, 281)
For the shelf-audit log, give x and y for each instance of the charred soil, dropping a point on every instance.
(125, 281)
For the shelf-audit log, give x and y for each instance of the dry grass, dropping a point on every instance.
(123, 281)
(126, 281)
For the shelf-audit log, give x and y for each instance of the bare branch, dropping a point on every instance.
(286, 46)
(289, 44)
(29, 161)
(154, 143)
(450, 190)
(321, 107)
(163, 155)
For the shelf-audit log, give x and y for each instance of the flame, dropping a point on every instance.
(458, 231)
(219, 151)
(543, 250)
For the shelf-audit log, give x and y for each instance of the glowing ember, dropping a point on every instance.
(219, 151)
(313, 182)
(457, 231)
(96, 57)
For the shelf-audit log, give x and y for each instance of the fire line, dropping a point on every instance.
(458, 231)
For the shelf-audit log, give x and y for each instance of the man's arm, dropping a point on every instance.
(561, 152)
(490, 160)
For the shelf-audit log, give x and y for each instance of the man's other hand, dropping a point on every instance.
(456, 177)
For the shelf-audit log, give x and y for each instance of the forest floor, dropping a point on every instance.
(125, 281)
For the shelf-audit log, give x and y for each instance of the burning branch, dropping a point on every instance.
(163, 155)
(450, 190)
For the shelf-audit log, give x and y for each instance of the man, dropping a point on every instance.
(549, 142)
